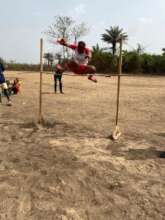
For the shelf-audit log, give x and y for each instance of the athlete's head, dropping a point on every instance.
(81, 46)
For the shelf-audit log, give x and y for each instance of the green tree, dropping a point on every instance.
(147, 63)
(132, 62)
(163, 50)
(1, 60)
(113, 36)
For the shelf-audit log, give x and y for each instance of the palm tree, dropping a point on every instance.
(96, 49)
(113, 36)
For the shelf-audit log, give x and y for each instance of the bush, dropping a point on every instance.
(104, 62)
(147, 63)
(132, 62)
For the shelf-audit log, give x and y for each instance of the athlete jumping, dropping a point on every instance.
(79, 63)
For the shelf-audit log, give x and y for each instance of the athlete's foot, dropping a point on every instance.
(92, 78)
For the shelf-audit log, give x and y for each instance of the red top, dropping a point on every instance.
(81, 58)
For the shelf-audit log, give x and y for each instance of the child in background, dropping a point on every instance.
(58, 77)
(16, 86)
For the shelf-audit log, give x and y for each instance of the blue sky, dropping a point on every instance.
(23, 22)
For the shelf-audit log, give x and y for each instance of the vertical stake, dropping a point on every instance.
(40, 118)
(116, 133)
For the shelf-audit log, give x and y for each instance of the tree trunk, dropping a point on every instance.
(114, 48)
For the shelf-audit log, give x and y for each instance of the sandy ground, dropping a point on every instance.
(69, 169)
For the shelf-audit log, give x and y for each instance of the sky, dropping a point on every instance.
(23, 23)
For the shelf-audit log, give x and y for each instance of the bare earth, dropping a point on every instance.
(69, 169)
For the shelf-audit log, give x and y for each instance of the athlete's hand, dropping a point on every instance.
(62, 41)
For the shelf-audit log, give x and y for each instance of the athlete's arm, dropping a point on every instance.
(64, 43)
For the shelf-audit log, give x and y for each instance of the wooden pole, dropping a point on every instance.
(117, 132)
(40, 118)
(118, 83)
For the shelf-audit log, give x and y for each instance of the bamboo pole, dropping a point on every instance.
(40, 118)
(118, 83)
(116, 132)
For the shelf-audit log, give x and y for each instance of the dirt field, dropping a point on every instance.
(69, 169)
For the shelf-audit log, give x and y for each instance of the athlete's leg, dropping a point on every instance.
(91, 70)
(72, 66)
